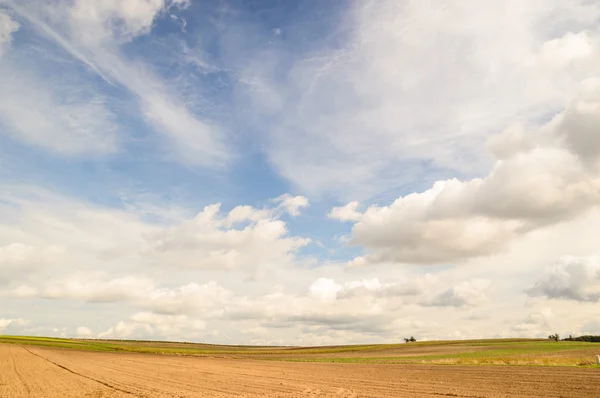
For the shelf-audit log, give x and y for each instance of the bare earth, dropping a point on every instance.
(45, 372)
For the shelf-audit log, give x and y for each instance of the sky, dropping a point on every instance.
(299, 173)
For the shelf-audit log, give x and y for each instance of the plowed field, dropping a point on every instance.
(27, 371)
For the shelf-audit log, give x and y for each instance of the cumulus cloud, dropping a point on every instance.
(20, 256)
(62, 233)
(536, 322)
(345, 213)
(92, 289)
(591, 328)
(206, 242)
(467, 293)
(373, 287)
(41, 228)
(571, 278)
(5, 324)
(361, 316)
(364, 306)
(207, 299)
(542, 177)
(83, 331)
(292, 204)
(324, 289)
(18, 260)
(150, 325)
(327, 289)
(295, 304)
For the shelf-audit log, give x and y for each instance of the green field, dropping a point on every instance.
(464, 352)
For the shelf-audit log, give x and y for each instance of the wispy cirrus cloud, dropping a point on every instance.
(65, 119)
(94, 34)
(7, 27)
(408, 91)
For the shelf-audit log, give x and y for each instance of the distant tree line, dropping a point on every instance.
(410, 340)
(590, 339)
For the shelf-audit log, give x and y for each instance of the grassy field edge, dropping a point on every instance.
(518, 352)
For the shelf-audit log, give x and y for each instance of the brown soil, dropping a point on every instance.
(45, 372)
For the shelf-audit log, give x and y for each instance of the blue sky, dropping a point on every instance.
(198, 49)
(298, 172)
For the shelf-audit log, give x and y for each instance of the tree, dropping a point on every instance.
(412, 339)
(554, 337)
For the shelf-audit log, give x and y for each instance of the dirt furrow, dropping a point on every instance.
(79, 374)
(25, 375)
(144, 375)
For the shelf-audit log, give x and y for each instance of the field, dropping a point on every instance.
(48, 367)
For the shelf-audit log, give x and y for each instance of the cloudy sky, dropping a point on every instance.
(277, 172)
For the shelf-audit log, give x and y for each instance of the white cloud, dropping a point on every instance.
(45, 238)
(93, 25)
(18, 260)
(149, 325)
(83, 331)
(377, 113)
(195, 141)
(54, 115)
(7, 27)
(94, 35)
(90, 288)
(23, 291)
(535, 322)
(571, 278)
(292, 204)
(62, 115)
(241, 214)
(373, 287)
(324, 289)
(181, 3)
(467, 293)
(345, 213)
(208, 298)
(98, 21)
(6, 323)
(205, 242)
(328, 306)
(285, 203)
(99, 237)
(294, 306)
(541, 178)
(20, 256)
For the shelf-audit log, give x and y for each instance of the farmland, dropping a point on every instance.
(49, 367)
